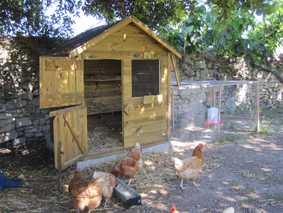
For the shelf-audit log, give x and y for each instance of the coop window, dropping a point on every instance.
(145, 77)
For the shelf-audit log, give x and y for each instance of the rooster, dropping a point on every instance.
(189, 168)
(106, 183)
(84, 193)
(130, 164)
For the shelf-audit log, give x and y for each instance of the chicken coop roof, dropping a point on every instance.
(82, 38)
(81, 42)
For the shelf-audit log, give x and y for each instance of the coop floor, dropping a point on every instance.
(103, 137)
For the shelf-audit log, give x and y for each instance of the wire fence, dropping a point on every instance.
(190, 108)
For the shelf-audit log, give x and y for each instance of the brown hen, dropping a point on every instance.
(106, 182)
(84, 193)
(130, 164)
(189, 168)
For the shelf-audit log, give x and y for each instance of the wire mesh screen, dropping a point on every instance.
(145, 77)
(191, 114)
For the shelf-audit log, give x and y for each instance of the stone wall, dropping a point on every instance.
(21, 120)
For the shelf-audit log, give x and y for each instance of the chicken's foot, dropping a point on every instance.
(182, 185)
(195, 183)
(146, 175)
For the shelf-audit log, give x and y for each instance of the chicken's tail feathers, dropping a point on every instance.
(177, 162)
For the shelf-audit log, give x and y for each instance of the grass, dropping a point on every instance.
(276, 198)
(4, 170)
(234, 126)
(268, 179)
(230, 137)
(268, 114)
(244, 190)
(262, 129)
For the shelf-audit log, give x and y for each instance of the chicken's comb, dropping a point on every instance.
(173, 208)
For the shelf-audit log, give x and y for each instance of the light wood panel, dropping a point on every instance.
(61, 82)
(105, 67)
(70, 129)
(144, 122)
(126, 22)
(139, 130)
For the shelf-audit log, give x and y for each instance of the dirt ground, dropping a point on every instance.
(244, 170)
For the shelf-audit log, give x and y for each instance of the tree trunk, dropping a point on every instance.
(265, 68)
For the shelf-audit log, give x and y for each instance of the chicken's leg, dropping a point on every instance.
(146, 175)
(129, 181)
(195, 183)
(106, 200)
(182, 184)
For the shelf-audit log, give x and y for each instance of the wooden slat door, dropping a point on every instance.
(61, 82)
(70, 135)
(144, 118)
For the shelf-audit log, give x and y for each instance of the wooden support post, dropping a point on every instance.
(212, 96)
(169, 97)
(219, 104)
(173, 109)
(257, 106)
(59, 164)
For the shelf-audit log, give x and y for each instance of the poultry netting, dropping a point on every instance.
(190, 122)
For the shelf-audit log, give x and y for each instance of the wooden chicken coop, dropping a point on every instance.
(119, 71)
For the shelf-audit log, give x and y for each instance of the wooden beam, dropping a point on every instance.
(232, 117)
(173, 108)
(169, 96)
(212, 96)
(257, 106)
(219, 108)
(175, 67)
(63, 111)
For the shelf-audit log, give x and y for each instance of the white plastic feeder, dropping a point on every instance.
(212, 116)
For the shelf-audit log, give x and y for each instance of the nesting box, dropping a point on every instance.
(122, 69)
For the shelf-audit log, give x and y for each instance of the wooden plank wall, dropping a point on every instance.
(66, 86)
(147, 123)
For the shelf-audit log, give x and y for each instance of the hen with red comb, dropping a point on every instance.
(173, 209)
(189, 168)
